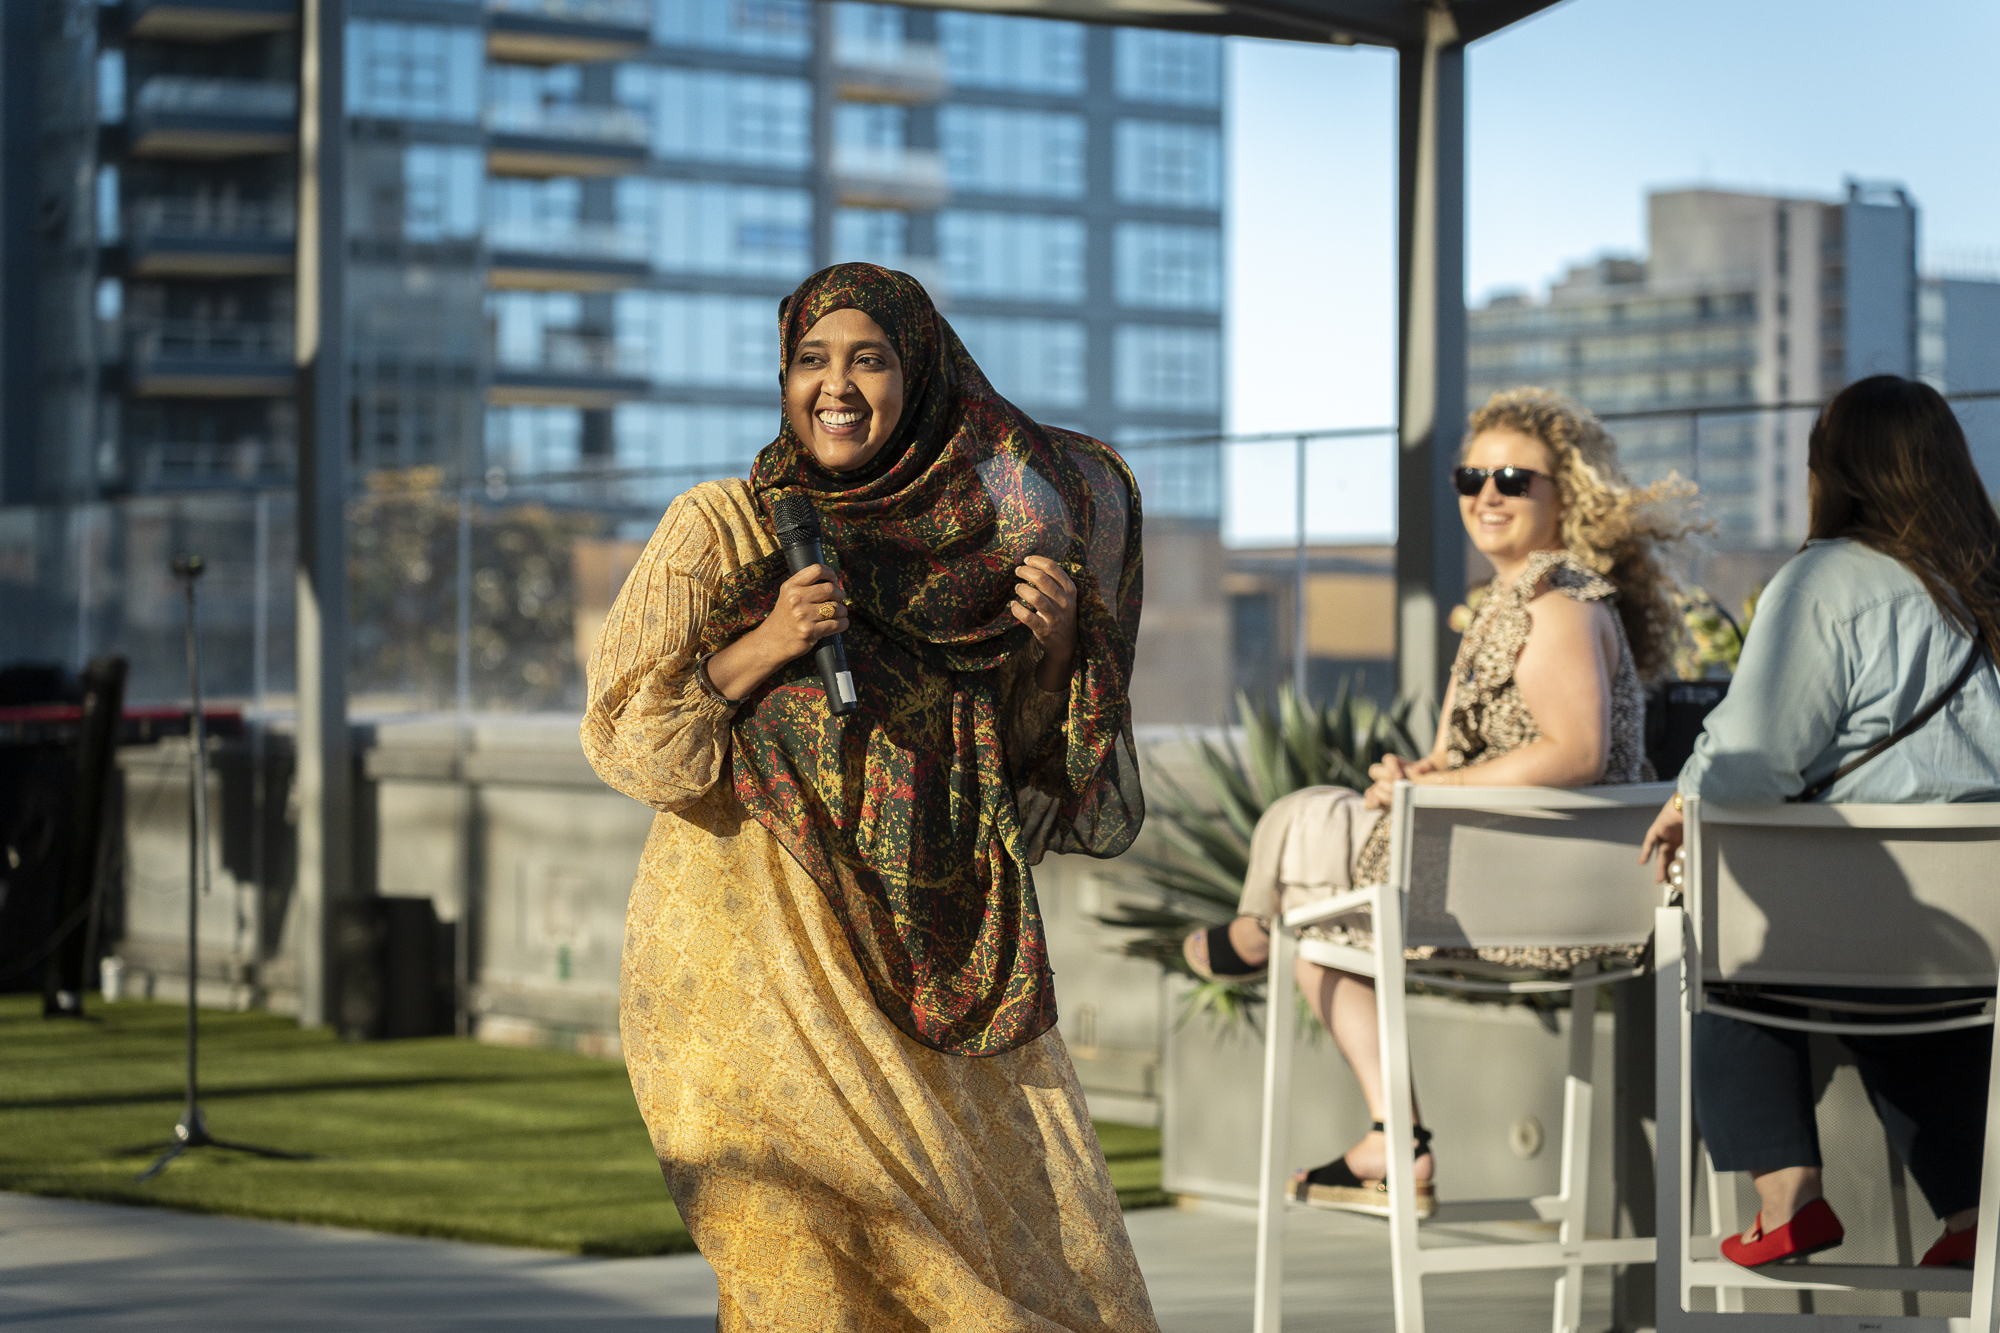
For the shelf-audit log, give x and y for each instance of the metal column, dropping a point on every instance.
(825, 91)
(1430, 544)
(325, 763)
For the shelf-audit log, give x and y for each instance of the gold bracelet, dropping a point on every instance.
(1677, 801)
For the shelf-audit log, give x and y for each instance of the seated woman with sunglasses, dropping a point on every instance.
(1868, 677)
(1545, 691)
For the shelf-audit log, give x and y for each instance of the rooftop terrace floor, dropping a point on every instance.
(66, 1265)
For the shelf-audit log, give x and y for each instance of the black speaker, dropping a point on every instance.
(393, 969)
(1675, 712)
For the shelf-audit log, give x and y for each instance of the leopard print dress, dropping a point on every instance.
(1489, 718)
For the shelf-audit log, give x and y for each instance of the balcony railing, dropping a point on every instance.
(172, 466)
(249, 98)
(569, 121)
(622, 13)
(890, 177)
(564, 352)
(889, 71)
(575, 240)
(210, 340)
(206, 217)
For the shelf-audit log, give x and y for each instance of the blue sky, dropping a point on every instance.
(1574, 115)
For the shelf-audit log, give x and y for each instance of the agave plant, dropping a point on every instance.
(1296, 743)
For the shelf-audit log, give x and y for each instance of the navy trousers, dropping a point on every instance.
(1753, 1093)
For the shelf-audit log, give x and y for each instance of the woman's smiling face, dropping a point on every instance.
(844, 390)
(1508, 529)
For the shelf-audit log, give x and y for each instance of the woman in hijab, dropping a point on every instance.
(836, 1005)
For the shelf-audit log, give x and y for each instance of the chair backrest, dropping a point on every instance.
(1846, 895)
(1513, 866)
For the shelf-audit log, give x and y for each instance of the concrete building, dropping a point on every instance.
(1958, 352)
(1742, 299)
(568, 225)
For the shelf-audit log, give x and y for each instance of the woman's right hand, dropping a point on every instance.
(795, 627)
(1392, 769)
(798, 622)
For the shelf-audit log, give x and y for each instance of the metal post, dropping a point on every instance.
(325, 782)
(82, 586)
(249, 931)
(1299, 573)
(468, 813)
(462, 667)
(825, 195)
(1430, 545)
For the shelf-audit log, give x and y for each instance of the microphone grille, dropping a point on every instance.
(794, 513)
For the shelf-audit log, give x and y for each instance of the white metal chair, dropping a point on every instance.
(1897, 896)
(1473, 866)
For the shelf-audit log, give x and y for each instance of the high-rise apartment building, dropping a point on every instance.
(569, 223)
(1742, 300)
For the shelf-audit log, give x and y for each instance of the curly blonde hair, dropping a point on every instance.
(1620, 530)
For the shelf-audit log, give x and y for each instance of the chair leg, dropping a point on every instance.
(1725, 1220)
(1989, 1204)
(1672, 1209)
(1577, 1093)
(1280, 1014)
(1392, 1025)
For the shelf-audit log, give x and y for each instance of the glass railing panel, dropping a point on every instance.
(209, 217)
(622, 13)
(218, 97)
(569, 120)
(581, 240)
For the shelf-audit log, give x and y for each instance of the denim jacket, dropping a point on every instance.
(1846, 647)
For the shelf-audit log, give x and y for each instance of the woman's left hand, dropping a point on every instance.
(1045, 601)
(1664, 838)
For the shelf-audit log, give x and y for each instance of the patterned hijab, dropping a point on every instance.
(910, 814)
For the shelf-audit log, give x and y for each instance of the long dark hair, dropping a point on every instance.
(1889, 468)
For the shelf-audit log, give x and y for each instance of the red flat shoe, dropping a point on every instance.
(1812, 1229)
(1953, 1250)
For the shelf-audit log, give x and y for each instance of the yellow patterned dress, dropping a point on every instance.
(835, 1173)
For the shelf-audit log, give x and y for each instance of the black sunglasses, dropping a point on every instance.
(1512, 482)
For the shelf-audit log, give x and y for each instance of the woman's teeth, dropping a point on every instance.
(838, 419)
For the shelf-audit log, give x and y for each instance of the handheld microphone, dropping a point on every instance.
(797, 524)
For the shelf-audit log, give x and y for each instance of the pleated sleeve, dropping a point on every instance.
(652, 728)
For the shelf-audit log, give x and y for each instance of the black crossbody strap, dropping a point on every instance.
(1923, 715)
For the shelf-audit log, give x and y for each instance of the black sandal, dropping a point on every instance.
(1224, 963)
(1336, 1186)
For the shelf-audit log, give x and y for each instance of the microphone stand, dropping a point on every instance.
(192, 1129)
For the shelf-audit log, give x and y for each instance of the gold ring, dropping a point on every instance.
(828, 610)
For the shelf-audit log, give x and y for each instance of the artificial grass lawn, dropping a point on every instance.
(431, 1137)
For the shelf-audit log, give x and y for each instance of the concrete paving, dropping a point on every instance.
(68, 1267)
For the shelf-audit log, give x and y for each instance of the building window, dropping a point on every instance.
(991, 151)
(697, 227)
(870, 236)
(110, 86)
(1169, 268)
(1033, 362)
(525, 441)
(869, 125)
(441, 192)
(1179, 166)
(1012, 256)
(413, 71)
(108, 221)
(707, 441)
(713, 117)
(529, 327)
(1178, 67)
(687, 338)
(1164, 369)
(1025, 55)
(755, 27)
(1179, 479)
